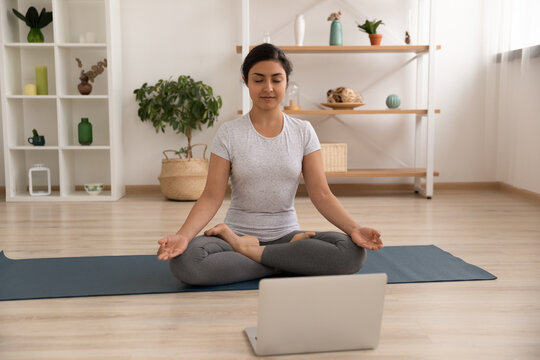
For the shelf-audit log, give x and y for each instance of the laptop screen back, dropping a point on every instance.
(320, 313)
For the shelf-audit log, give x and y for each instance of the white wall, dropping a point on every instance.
(167, 38)
(199, 38)
(518, 145)
(164, 39)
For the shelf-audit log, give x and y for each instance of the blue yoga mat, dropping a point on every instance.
(144, 274)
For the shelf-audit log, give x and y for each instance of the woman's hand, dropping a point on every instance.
(171, 246)
(367, 238)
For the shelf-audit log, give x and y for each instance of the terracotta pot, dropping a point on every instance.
(375, 39)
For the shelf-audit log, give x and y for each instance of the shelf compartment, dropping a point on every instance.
(69, 76)
(73, 109)
(81, 166)
(351, 49)
(76, 18)
(21, 161)
(400, 172)
(23, 115)
(17, 31)
(20, 68)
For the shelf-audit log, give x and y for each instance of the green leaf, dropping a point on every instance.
(45, 18)
(21, 16)
(370, 27)
(32, 17)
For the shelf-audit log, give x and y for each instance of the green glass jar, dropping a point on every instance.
(85, 132)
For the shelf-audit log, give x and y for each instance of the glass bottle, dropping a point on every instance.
(292, 97)
(85, 132)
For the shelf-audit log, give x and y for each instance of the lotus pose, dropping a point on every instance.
(263, 154)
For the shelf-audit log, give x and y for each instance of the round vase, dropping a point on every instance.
(85, 88)
(299, 30)
(35, 36)
(85, 132)
(336, 33)
(393, 101)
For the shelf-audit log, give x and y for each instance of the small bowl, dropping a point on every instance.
(93, 189)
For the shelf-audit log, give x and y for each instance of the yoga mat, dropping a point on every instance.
(144, 274)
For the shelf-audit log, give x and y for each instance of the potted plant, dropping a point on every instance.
(370, 27)
(36, 22)
(184, 105)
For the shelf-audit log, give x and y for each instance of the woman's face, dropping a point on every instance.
(267, 82)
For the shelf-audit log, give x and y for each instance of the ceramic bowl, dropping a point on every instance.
(93, 189)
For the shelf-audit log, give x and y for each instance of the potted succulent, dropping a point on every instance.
(36, 21)
(184, 105)
(370, 27)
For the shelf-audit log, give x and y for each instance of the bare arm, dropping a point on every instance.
(202, 212)
(329, 206)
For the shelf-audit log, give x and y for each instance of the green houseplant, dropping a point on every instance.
(36, 21)
(370, 27)
(184, 105)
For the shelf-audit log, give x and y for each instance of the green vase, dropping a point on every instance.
(85, 132)
(336, 34)
(35, 36)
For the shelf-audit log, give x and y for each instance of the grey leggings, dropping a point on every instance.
(209, 260)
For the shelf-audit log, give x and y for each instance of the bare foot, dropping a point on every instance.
(245, 245)
(301, 236)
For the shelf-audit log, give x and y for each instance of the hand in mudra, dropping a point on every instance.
(367, 238)
(171, 246)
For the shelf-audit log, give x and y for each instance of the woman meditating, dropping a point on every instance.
(263, 153)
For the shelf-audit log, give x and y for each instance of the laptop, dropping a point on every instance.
(318, 313)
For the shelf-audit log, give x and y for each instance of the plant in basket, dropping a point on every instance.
(184, 105)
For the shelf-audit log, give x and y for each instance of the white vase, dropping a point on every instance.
(299, 29)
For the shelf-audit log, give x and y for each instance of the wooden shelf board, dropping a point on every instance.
(33, 148)
(86, 147)
(29, 45)
(402, 172)
(81, 196)
(83, 45)
(351, 49)
(31, 97)
(357, 112)
(77, 97)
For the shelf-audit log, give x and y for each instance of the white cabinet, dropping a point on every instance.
(85, 29)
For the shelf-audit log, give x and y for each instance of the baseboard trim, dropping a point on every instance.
(362, 189)
(527, 194)
(350, 189)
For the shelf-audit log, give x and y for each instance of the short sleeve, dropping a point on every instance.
(220, 145)
(311, 141)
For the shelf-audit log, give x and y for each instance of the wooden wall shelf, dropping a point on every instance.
(357, 112)
(351, 49)
(400, 172)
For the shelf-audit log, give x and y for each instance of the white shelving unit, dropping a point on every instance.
(423, 170)
(57, 115)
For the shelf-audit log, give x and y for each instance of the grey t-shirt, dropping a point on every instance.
(264, 174)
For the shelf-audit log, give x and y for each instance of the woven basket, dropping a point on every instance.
(334, 157)
(183, 179)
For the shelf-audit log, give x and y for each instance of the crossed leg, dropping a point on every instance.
(247, 245)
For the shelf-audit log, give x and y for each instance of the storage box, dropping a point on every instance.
(334, 157)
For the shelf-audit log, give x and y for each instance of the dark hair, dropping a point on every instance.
(265, 52)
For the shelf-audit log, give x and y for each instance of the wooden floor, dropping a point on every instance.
(497, 319)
